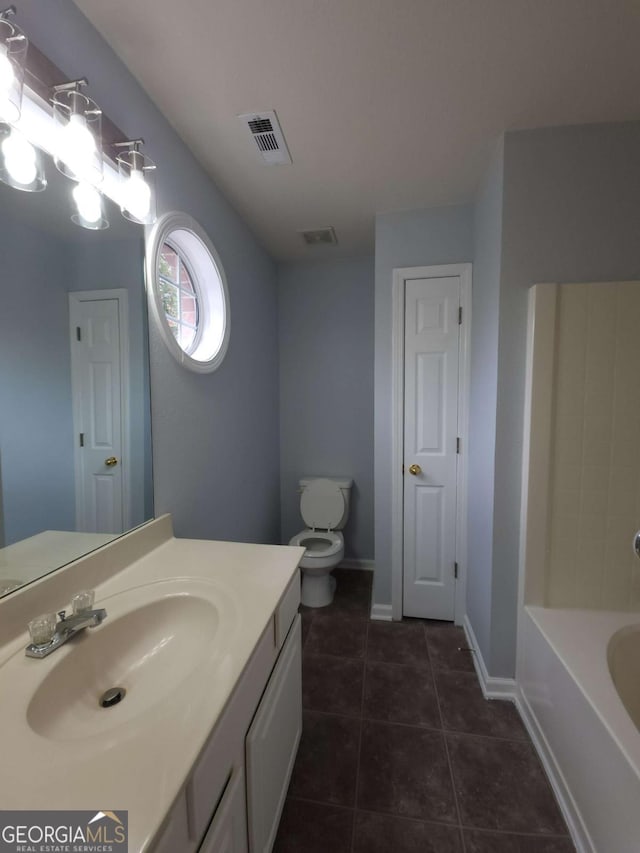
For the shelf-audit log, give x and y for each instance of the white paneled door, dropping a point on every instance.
(97, 341)
(431, 384)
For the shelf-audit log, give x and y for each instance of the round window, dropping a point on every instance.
(190, 296)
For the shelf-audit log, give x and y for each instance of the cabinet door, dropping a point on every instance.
(227, 832)
(272, 743)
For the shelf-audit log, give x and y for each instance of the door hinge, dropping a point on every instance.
(78, 333)
(81, 439)
(458, 445)
(460, 315)
(455, 570)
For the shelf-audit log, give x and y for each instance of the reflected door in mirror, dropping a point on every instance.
(99, 373)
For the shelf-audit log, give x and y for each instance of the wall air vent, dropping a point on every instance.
(319, 236)
(267, 134)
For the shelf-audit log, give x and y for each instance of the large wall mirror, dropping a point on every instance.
(75, 423)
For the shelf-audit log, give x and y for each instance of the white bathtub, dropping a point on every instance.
(586, 737)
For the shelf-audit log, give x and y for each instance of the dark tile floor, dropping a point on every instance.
(400, 752)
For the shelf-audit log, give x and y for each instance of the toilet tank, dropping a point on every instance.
(344, 484)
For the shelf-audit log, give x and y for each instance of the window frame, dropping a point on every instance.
(191, 242)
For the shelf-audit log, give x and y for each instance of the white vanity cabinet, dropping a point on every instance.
(272, 744)
(233, 798)
(228, 830)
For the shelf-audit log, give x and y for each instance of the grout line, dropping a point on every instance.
(355, 802)
(320, 803)
(420, 820)
(327, 655)
(410, 819)
(401, 817)
(423, 667)
(419, 727)
(517, 833)
(457, 733)
(446, 749)
(308, 631)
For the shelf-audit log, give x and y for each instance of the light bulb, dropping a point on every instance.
(9, 110)
(7, 75)
(88, 202)
(20, 159)
(137, 194)
(76, 146)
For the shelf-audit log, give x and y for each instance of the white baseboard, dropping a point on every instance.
(570, 812)
(381, 612)
(507, 688)
(492, 688)
(366, 565)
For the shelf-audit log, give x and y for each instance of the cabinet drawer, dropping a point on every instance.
(287, 609)
(272, 743)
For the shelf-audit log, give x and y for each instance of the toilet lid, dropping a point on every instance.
(322, 504)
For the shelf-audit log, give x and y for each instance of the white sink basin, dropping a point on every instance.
(154, 639)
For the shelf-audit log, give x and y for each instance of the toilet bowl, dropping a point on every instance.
(324, 506)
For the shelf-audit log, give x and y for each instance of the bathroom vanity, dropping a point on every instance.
(204, 637)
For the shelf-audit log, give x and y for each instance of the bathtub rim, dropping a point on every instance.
(580, 639)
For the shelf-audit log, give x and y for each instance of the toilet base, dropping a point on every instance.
(317, 589)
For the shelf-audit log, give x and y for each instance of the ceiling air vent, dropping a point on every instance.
(267, 134)
(319, 236)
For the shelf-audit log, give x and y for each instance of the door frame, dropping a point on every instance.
(121, 294)
(400, 277)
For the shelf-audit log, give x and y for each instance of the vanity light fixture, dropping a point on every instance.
(77, 126)
(137, 191)
(71, 131)
(89, 211)
(21, 163)
(13, 55)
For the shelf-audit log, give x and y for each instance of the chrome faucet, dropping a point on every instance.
(47, 634)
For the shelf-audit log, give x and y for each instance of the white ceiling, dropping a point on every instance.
(385, 104)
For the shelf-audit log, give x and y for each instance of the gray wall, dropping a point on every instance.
(36, 424)
(482, 404)
(441, 235)
(326, 387)
(571, 213)
(215, 437)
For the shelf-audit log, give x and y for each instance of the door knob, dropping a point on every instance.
(111, 461)
(415, 469)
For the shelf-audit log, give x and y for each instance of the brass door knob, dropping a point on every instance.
(111, 461)
(415, 469)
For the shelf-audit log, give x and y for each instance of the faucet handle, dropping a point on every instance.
(83, 601)
(42, 629)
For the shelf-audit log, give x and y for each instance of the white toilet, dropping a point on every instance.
(324, 506)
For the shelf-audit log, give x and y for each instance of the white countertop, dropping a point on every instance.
(30, 558)
(142, 766)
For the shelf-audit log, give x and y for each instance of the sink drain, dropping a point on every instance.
(112, 697)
